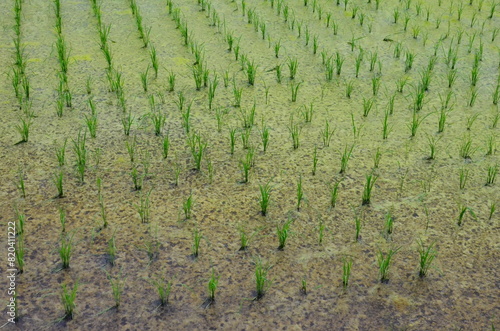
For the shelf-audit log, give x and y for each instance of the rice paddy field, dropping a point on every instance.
(250, 164)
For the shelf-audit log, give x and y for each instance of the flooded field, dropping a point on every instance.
(250, 165)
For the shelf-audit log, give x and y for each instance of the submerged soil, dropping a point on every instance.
(462, 287)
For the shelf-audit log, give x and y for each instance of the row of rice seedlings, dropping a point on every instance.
(19, 79)
(144, 32)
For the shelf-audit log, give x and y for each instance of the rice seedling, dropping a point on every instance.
(262, 284)
(346, 155)
(197, 71)
(398, 48)
(212, 87)
(246, 164)
(492, 210)
(195, 248)
(131, 148)
(315, 44)
(496, 94)
(466, 150)
(375, 85)
(24, 129)
(62, 219)
(415, 123)
(490, 145)
(339, 62)
(494, 34)
(464, 176)
(335, 28)
(251, 70)
(198, 147)
(68, 98)
(163, 288)
(186, 117)
(236, 51)
(463, 209)
(470, 121)
(358, 61)
(294, 129)
(68, 297)
(20, 221)
(144, 206)
(111, 249)
(315, 160)
(409, 58)
(334, 192)
(117, 287)
(303, 287)
(154, 59)
(158, 118)
(388, 224)
(373, 60)
(81, 154)
(327, 134)
(66, 249)
(415, 30)
(137, 178)
(474, 75)
(390, 104)
(232, 140)
(265, 138)
(237, 95)
(346, 271)
(367, 191)
(349, 87)
(265, 197)
(308, 112)
(145, 79)
(367, 106)
(212, 286)
(187, 207)
(293, 65)
(300, 193)
(425, 79)
(58, 182)
(376, 158)
(386, 129)
(358, 223)
(395, 15)
(263, 28)
(492, 9)
(492, 174)
(384, 262)
(91, 122)
(19, 252)
(16, 78)
(427, 256)
(278, 73)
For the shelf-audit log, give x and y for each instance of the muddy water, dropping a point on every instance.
(461, 290)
